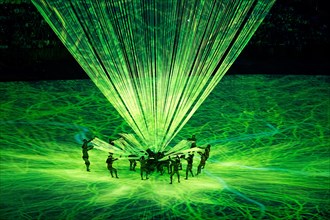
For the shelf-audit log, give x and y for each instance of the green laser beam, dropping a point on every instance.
(155, 61)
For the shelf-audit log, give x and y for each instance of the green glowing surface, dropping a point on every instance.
(269, 158)
(153, 59)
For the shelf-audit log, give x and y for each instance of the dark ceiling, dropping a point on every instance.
(293, 39)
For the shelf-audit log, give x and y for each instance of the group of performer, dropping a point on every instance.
(155, 162)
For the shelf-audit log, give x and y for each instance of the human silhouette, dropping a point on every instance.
(207, 151)
(193, 141)
(176, 166)
(190, 160)
(132, 162)
(110, 161)
(143, 167)
(85, 148)
(201, 163)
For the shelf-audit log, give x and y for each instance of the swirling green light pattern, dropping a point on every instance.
(269, 157)
(153, 59)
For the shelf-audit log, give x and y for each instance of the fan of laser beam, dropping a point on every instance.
(156, 61)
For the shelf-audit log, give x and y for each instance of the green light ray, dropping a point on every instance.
(155, 61)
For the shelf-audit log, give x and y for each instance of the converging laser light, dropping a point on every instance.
(155, 61)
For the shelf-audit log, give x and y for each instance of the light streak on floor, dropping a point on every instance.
(269, 157)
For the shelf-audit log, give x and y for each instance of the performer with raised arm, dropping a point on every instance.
(110, 161)
(85, 148)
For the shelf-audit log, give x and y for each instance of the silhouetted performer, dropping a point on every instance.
(193, 141)
(201, 163)
(190, 160)
(207, 151)
(161, 163)
(132, 162)
(176, 166)
(85, 149)
(158, 164)
(166, 163)
(110, 161)
(143, 167)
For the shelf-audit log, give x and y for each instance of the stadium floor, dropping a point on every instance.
(270, 155)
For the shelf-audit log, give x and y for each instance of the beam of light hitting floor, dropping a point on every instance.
(123, 148)
(269, 157)
(155, 61)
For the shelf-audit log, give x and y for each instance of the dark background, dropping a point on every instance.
(293, 39)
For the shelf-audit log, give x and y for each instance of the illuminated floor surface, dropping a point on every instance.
(269, 159)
